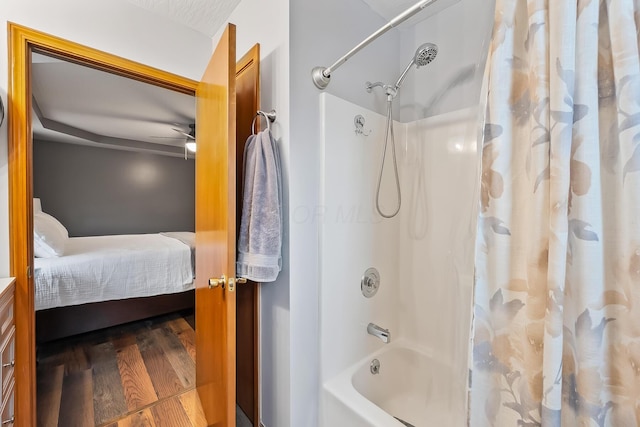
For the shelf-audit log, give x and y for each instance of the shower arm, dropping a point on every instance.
(403, 75)
(322, 75)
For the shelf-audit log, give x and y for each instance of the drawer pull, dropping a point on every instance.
(9, 421)
(9, 365)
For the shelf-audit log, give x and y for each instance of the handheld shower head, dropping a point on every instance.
(425, 54)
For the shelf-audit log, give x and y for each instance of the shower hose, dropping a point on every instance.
(389, 132)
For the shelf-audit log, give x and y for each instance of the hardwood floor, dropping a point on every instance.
(140, 374)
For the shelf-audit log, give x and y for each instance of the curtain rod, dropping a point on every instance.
(322, 75)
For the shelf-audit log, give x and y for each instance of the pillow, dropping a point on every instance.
(49, 236)
(56, 223)
(37, 206)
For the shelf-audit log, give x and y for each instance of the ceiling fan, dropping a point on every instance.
(190, 142)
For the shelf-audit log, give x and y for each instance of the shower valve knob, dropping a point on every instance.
(370, 282)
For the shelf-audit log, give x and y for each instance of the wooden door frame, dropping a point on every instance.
(22, 41)
(247, 106)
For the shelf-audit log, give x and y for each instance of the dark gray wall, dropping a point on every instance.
(97, 191)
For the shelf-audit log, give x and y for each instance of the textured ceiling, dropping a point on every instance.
(389, 9)
(205, 16)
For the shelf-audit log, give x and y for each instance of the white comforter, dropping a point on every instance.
(113, 267)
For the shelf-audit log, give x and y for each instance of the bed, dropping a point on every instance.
(103, 281)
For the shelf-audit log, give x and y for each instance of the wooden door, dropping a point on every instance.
(216, 234)
(247, 312)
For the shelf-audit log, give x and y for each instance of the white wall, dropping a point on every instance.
(114, 26)
(354, 237)
(439, 220)
(430, 254)
(437, 239)
(453, 80)
(320, 32)
(252, 27)
(296, 37)
(424, 255)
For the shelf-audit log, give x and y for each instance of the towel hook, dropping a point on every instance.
(270, 117)
(358, 121)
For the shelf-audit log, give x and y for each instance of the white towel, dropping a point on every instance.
(260, 239)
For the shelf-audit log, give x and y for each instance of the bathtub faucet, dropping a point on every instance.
(379, 332)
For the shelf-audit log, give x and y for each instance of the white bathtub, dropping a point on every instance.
(411, 385)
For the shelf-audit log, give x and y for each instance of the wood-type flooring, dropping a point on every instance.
(139, 374)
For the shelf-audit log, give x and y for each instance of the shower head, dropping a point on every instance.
(424, 54)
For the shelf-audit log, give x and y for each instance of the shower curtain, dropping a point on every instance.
(556, 331)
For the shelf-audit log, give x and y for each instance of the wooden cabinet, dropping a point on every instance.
(7, 351)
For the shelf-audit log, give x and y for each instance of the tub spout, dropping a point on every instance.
(379, 332)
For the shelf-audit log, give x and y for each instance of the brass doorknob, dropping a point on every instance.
(234, 280)
(214, 283)
(222, 281)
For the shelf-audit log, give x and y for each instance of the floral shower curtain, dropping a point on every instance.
(556, 338)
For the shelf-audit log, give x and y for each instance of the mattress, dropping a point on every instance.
(103, 268)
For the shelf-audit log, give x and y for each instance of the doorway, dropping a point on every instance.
(21, 188)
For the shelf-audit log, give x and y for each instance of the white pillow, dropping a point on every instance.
(37, 206)
(56, 223)
(49, 236)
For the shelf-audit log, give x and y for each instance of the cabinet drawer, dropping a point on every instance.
(6, 312)
(6, 420)
(7, 355)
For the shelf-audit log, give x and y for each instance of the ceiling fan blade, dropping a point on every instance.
(184, 133)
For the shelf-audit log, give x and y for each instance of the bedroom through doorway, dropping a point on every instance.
(73, 365)
(114, 239)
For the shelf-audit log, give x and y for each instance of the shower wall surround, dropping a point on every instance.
(424, 255)
(353, 237)
(437, 235)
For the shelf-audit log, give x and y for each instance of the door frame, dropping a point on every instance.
(22, 41)
(247, 295)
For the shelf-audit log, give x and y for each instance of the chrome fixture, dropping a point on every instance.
(269, 117)
(379, 332)
(370, 282)
(423, 56)
(358, 122)
(425, 53)
(322, 75)
(374, 367)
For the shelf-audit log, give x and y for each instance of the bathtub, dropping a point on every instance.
(412, 386)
